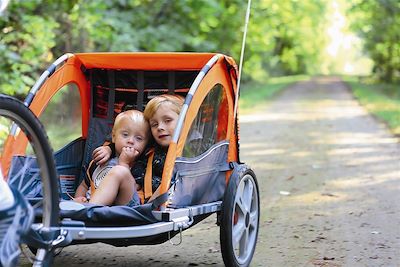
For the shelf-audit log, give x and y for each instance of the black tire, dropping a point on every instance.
(15, 111)
(240, 217)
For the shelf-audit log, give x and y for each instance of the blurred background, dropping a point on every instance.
(358, 37)
(287, 40)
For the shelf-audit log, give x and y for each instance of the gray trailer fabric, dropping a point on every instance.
(98, 131)
(200, 179)
(112, 215)
(24, 171)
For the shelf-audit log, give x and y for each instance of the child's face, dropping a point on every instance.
(163, 124)
(130, 134)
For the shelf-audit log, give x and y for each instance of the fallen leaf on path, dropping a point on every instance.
(213, 250)
(318, 239)
(382, 245)
(329, 195)
(358, 214)
(290, 178)
(323, 263)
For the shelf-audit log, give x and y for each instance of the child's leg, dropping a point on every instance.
(117, 188)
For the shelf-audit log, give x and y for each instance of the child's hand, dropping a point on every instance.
(80, 199)
(101, 154)
(127, 156)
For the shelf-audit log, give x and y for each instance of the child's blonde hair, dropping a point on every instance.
(156, 102)
(135, 116)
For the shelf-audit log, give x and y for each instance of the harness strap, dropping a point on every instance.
(148, 188)
(111, 95)
(89, 173)
(140, 86)
(171, 82)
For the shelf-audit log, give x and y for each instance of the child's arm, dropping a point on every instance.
(103, 153)
(80, 194)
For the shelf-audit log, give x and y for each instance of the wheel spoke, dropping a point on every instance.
(240, 190)
(244, 244)
(241, 205)
(248, 195)
(254, 219)
(237, 233)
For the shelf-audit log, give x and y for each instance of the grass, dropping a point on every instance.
(59, 135)
(381, 100)
(256, 95)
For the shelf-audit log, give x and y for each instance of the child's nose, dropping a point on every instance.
(160, 126)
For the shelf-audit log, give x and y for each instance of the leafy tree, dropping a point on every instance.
(283, 38)
(377, 22)
(25, 44)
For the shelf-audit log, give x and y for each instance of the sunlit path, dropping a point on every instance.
(329, 176)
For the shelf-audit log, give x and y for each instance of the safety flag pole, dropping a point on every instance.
(242, 55)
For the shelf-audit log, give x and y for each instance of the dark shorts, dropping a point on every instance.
(135, 201)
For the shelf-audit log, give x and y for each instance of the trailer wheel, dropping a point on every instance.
(240, 216)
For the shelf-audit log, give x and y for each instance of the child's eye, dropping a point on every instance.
(153, 125)
(139, 138)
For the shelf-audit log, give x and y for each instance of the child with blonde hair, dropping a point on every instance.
(162, 112)
(112, 183)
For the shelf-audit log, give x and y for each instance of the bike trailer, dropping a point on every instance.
(203, 157)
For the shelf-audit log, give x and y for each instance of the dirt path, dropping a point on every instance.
(342, 170)
(329, 178)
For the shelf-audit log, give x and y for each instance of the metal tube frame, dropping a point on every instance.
(174, 220)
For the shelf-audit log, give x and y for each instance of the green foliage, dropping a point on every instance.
(284, 38)
(382, 100)
(281, 37)
(377, 22)
(24, 47)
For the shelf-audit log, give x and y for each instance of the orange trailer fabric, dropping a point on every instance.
(72, 72)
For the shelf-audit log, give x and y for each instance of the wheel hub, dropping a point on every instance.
(247, 219)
